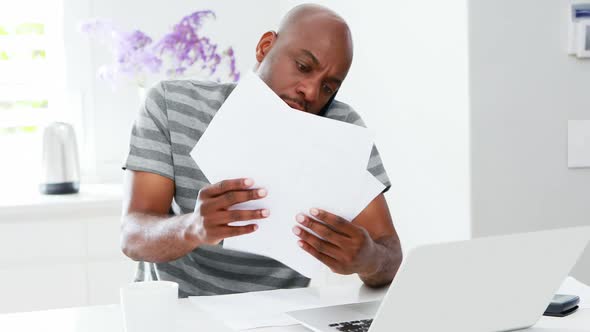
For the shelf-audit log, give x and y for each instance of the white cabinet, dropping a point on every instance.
(41, 241)
(43, 285)
(58, 252)
(103, 237)
(106, 277)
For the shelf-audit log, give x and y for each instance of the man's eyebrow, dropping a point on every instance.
(335, 80)
(317, 63)
(309, 54)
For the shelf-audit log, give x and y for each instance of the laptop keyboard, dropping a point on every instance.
(353, 326)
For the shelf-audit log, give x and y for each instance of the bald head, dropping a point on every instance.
(310, 16)
(307, 59)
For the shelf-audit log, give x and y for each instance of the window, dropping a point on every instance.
(31, 85)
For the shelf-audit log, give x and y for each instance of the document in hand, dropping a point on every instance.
(303, 160)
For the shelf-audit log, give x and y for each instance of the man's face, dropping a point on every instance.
(306, 65)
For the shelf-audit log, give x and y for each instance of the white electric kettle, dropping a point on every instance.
(60, 172)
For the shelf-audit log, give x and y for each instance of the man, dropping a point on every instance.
(304, 63)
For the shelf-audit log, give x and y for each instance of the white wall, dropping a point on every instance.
(524, 88)
(409, 82)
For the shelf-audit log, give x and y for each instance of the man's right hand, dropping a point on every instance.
(212, 216)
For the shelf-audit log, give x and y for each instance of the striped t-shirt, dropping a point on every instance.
(171, 120)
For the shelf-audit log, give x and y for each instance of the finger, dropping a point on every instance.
(318, 244)
(337, 223)
(224, 186)
(327, 260)
(230, 198)
(326, 232)
(225, 217)
(223, 232)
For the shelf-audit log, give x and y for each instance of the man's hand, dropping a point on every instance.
(344, 247)
(212, 215)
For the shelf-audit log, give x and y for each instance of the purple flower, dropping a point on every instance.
(96, 27)
(232, 65)
(131, 53)
(185, 47)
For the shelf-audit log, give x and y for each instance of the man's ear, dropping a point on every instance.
(265, 44)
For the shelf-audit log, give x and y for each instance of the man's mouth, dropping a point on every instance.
(294, 104)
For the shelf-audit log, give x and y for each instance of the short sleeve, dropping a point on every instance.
(150, 144)
(376, 168)
(343, 112)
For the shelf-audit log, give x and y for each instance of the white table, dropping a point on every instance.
(109, 318)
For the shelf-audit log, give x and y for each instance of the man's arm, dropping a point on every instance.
(149, 234)
(368, 246)
(388, 259)
(376, 219)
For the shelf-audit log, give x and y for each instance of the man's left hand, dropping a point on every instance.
(344, 247)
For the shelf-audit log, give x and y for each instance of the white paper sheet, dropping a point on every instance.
(303, 160)
(275, 239)
(268, 308)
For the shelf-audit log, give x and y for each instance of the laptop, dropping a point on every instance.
(500, 283)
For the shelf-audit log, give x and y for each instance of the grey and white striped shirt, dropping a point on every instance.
(171, 120)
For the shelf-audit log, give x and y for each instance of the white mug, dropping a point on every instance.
(149, 306)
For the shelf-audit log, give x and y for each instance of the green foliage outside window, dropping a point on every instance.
(30, 29)
(30, 52)
(34, 55)
(17, 130)
(34, 104)
(31, 103)
(38, 54)
(5, 105)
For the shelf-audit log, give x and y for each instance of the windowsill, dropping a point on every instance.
(92, 200)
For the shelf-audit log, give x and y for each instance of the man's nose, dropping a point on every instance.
(309, 90)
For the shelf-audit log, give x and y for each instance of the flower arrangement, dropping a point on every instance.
(184, 51)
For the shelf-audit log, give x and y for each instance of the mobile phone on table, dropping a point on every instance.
(562, 305)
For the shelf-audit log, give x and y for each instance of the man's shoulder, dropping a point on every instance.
(198, 89)
(343, 112)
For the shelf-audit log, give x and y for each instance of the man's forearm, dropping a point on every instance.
(388, 259)
(156, 239)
